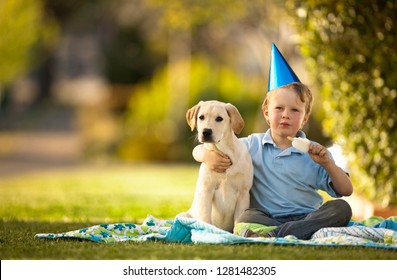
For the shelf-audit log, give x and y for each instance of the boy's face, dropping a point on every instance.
(285, 112)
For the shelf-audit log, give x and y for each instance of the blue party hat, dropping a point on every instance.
(280, 73)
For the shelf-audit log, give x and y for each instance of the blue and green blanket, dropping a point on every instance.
(373, 232)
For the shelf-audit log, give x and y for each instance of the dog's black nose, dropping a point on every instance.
(207, 133)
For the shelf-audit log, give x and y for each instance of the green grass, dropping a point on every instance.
(58, 201)
(98, 194)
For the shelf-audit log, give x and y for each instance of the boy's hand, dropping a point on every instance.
(217, 162)
(319, 154)
(340, 180)
(212, 159)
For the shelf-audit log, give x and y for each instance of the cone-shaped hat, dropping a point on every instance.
(280, 73)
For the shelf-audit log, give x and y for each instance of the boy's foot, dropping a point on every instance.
(251, 234)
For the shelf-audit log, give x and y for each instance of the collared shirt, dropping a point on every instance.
(285, 182)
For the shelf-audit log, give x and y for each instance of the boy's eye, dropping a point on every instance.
(219, 119)
(201, 117)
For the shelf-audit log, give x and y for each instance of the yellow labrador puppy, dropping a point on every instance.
(220, 198)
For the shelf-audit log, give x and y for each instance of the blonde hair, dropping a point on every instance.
(300, 89)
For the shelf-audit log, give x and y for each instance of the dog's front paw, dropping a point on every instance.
(183, 215)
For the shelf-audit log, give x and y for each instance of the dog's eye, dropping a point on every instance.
(201, 117)
(219, 119)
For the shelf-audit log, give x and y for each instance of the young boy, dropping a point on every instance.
(284, 195)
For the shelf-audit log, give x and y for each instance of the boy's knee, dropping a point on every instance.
(341, 204)
(253, 215)
(342, 207)
(245, 216)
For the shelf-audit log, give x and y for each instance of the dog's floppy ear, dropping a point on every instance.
(236, 119)
(191, 115)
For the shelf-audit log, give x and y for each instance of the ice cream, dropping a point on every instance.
(302, 144)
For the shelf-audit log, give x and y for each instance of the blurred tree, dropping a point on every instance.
(24, 31)
(123, 29)
(65, 11)
(129, 58)
(350, 48)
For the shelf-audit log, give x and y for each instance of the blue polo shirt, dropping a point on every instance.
(285, 182)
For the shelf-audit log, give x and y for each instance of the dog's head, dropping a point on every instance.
(213, 120)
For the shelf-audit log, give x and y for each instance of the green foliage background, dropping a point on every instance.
(350, 49)
(150, 131)
(24, 32)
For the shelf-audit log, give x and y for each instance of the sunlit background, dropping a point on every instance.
(110, 81)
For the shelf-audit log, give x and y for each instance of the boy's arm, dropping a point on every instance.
(340, 181)
(212, 159)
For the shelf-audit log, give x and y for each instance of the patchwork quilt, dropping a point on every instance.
(374, 232)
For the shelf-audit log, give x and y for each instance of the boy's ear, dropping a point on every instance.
(266, 114)
(305, 119)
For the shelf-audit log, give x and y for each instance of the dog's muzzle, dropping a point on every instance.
(206, 135)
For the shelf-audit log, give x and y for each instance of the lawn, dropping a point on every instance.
(73, 198)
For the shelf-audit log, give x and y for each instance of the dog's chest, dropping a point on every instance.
(225, 181)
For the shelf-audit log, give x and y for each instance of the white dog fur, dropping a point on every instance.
(220, 198)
